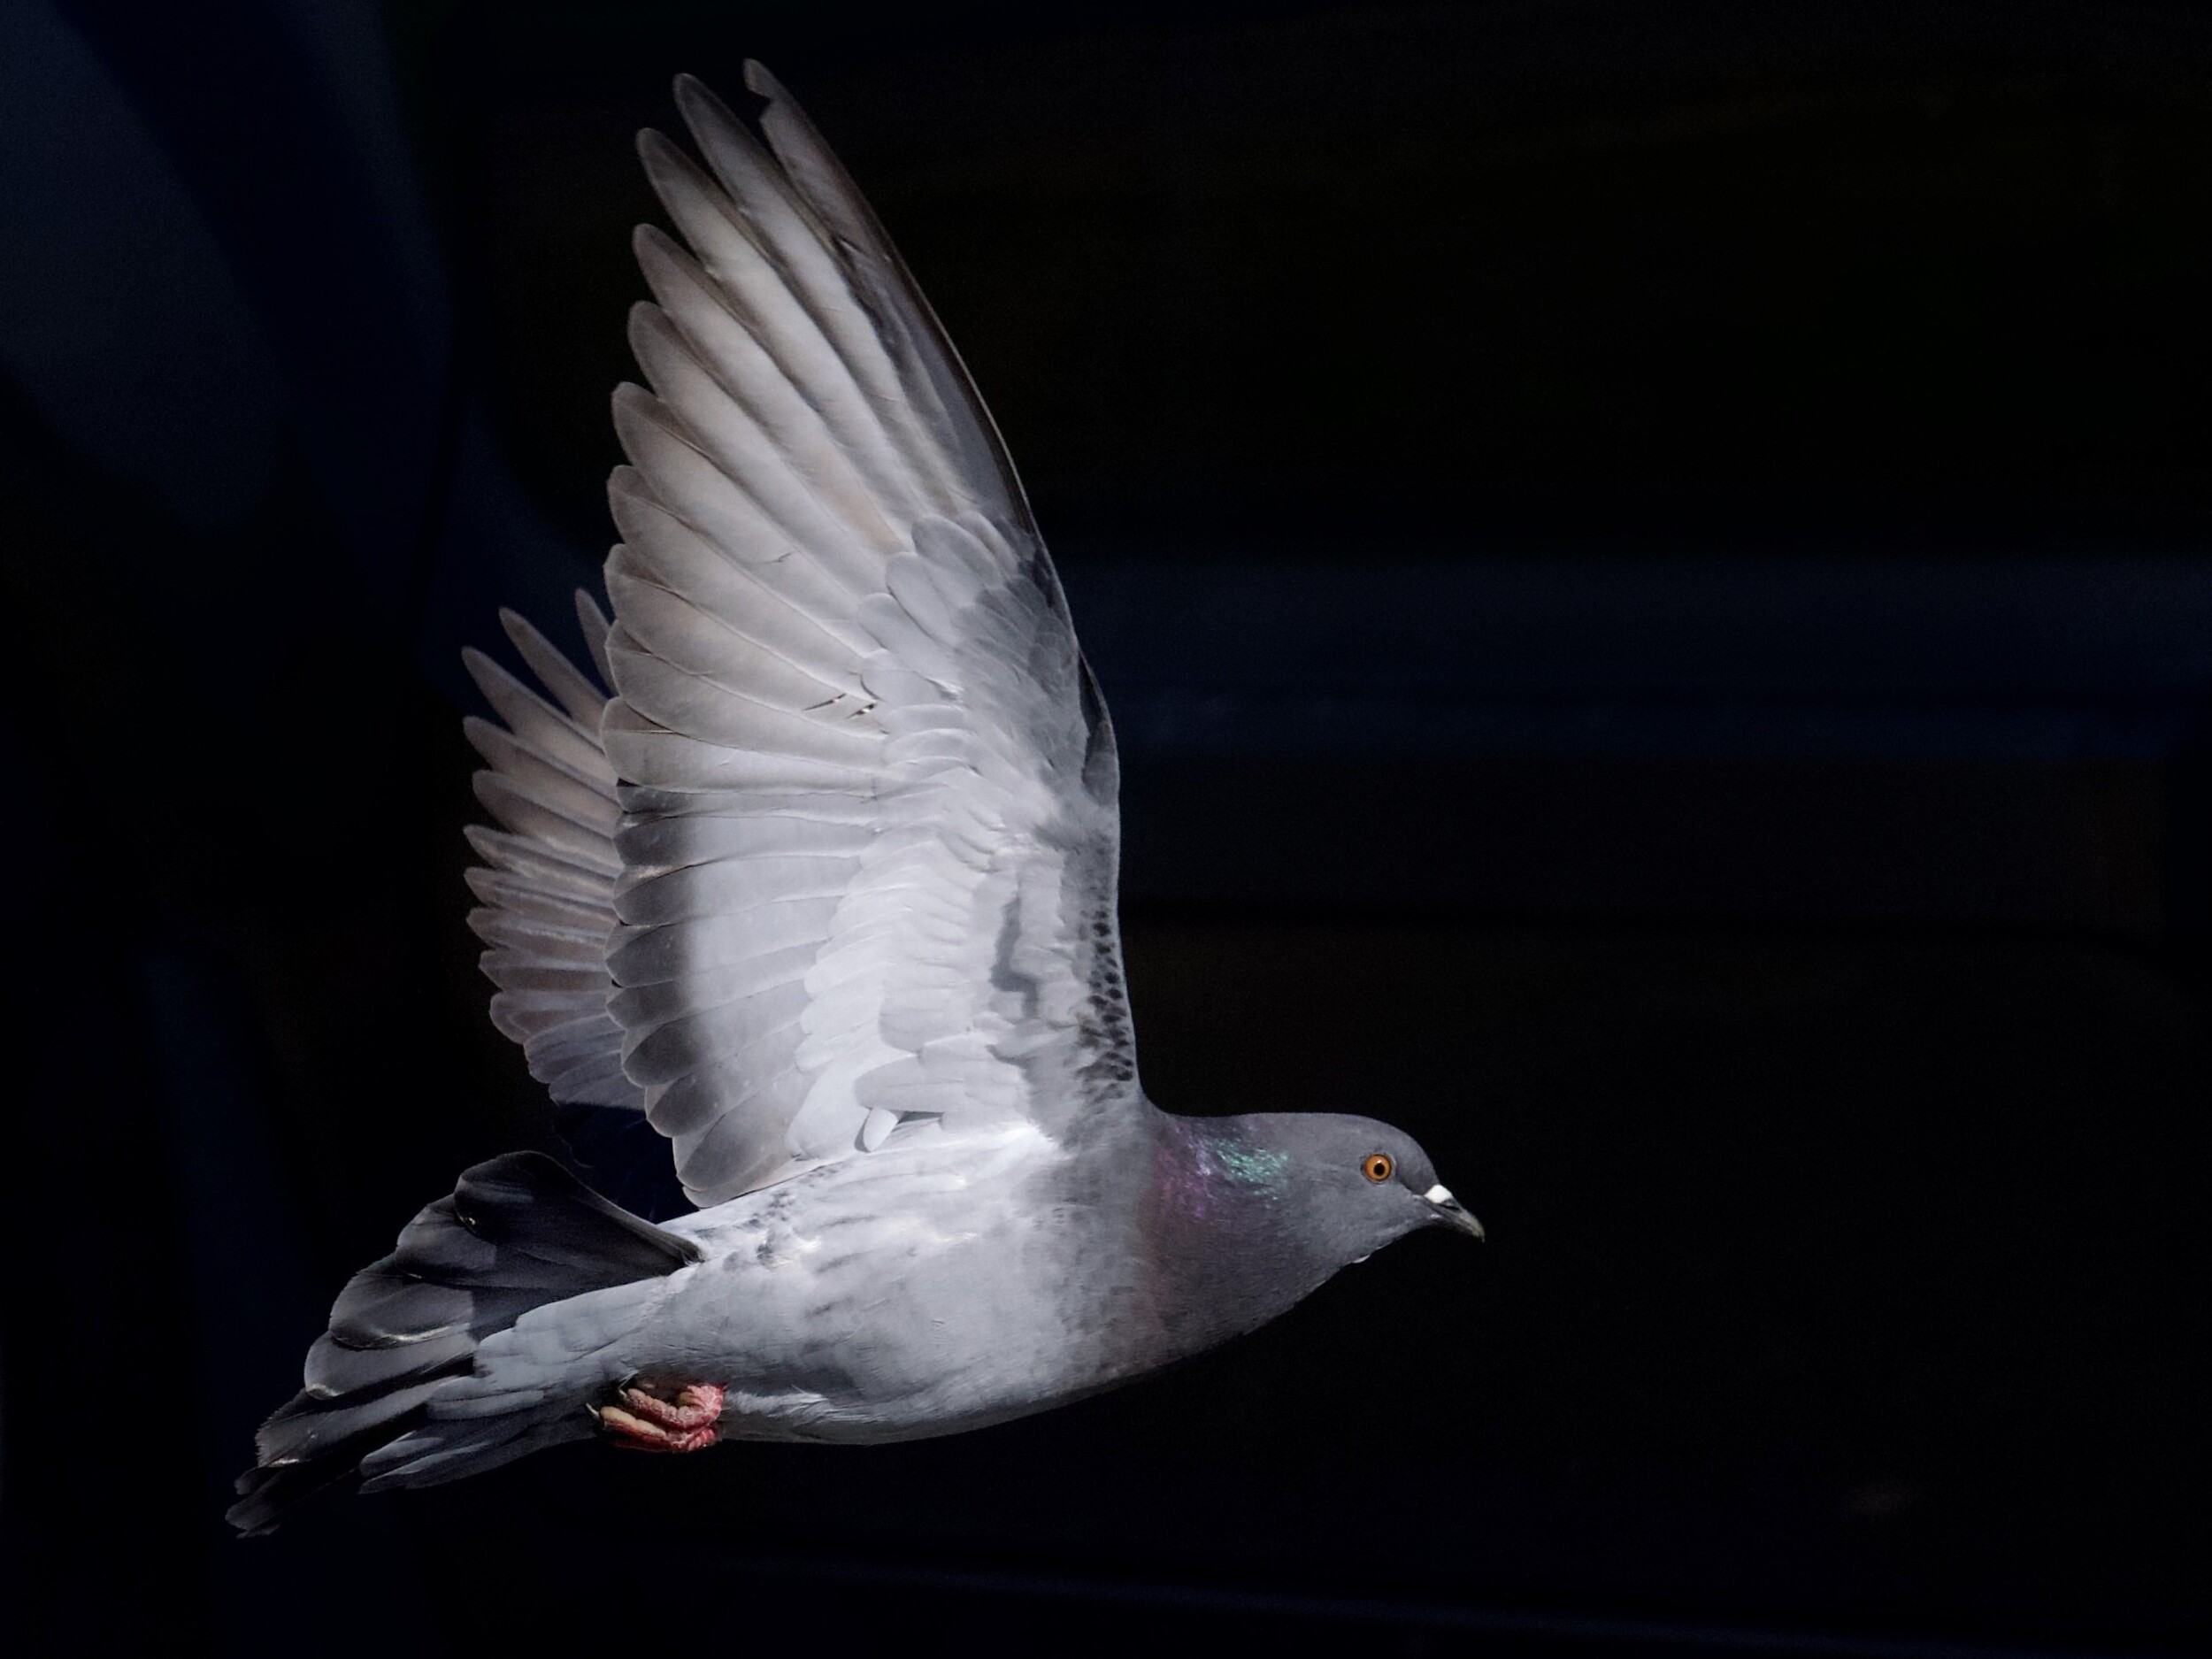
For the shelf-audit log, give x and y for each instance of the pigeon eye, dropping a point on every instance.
(1377, 1167)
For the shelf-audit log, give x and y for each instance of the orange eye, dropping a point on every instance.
(1377, 1167)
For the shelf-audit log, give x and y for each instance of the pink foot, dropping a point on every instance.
(646, 1423)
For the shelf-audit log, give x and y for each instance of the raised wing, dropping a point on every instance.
(870, 848)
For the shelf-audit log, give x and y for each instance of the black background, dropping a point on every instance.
(1502, 457)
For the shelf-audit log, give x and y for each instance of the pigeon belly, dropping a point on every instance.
(933, 1286)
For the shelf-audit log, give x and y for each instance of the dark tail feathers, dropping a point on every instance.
(518, 1233)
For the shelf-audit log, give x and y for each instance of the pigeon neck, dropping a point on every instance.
(1229, 1251)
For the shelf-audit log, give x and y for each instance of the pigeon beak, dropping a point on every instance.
(1450, 1211)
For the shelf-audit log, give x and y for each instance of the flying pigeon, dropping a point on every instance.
(816, 879)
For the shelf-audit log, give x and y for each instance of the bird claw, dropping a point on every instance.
(645, 1422)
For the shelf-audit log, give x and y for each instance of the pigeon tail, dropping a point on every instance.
(518, 1233)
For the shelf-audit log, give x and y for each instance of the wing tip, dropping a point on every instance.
(695, 97)
(699, 106)
(524, 635)
(490, 678)
(761, 83)
(667, 168)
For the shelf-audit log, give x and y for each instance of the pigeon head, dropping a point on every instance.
(1355, 1183)
(1250, 1215)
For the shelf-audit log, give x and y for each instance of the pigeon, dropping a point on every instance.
(810, 881)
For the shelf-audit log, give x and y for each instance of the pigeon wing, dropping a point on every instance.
(870, 832)
(545, 884)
